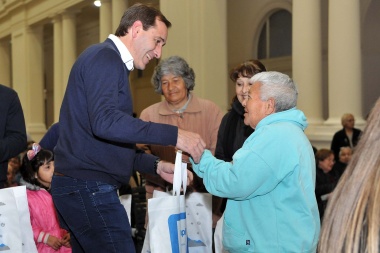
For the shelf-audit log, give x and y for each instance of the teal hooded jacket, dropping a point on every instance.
(269, 186)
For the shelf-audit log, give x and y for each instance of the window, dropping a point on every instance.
(276, 36)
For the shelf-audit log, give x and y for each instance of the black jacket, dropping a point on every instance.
(340, 139)
(232, 132)
(12, 129)
(325, 184)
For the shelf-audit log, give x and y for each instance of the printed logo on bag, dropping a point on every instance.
(4, 247)
(177, 231)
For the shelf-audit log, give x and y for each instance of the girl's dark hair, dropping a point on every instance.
(29, 168)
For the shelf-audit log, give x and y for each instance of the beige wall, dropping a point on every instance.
(202, 41)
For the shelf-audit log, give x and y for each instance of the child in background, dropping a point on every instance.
(37, 171)
(15, 163)
(10, 177)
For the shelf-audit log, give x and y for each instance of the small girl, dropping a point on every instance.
(37, 171)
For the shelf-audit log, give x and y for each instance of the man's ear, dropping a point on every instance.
(270, 106)
(136, 28)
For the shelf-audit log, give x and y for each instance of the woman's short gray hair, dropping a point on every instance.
(176, 66)
(278, 86)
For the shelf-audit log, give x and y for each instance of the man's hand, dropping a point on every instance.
(166, 172)
(191, 143)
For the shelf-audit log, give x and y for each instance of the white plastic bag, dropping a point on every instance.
(199, 222)
(194, 222)
(218, 236)
(166, 231)
(16, 234)
(126, 201)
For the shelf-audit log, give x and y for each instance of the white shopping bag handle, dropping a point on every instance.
(180, 175)
(184, 176)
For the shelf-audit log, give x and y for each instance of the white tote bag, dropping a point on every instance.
(16, 234)
(166, 230)
(199, 222)
(126, 201)
(198, 218)
(218, 236)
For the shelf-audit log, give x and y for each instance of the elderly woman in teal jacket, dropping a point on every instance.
(270, 183)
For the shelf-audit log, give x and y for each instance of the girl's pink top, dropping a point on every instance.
(44, 219)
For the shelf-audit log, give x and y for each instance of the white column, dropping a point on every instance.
(199, 35)
(27, 72)
(118, 9)
(35, 76)
(59, 85)
(105, 20)
(307, 60)
(5, 62)
(19, 71)
(68, 44)
(344, 61)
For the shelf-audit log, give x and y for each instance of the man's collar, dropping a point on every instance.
(124, 52)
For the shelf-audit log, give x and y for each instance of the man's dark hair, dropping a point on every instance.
(146, 14)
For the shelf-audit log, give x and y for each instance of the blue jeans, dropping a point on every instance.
(92, 211)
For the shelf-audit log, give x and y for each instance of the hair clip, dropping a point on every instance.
(33, 152)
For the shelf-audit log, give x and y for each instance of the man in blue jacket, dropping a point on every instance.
(12, 129)
(270, 183)
(96, 153)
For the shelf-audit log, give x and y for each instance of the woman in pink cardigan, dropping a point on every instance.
(175, 79)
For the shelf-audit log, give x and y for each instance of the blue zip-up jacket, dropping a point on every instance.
(97, 131)
(270, 185)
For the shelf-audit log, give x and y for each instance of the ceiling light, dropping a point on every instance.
(97, 3)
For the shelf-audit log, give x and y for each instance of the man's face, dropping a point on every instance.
(148, 44)
(255, 109)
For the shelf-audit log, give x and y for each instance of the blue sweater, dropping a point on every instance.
(97, 132)
(50, 139)
(270, 184)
